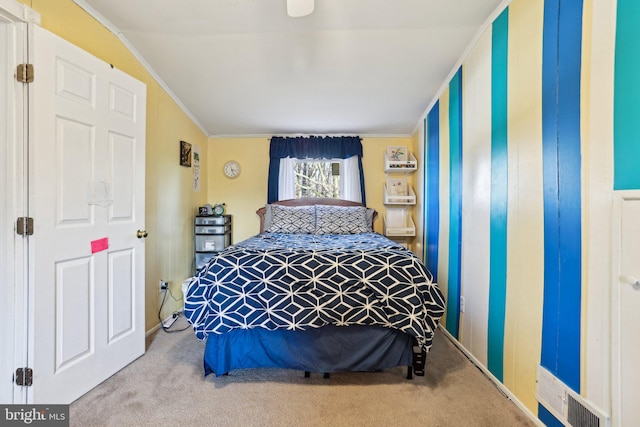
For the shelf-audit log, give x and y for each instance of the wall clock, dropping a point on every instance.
(231, 169)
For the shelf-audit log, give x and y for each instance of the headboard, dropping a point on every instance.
(310, 202)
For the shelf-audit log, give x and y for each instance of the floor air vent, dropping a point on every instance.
(579, 415)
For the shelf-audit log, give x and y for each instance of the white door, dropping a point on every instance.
(86, 196)
(626, 317)
(13, 248)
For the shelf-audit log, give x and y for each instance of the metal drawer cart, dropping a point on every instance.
(213, 234)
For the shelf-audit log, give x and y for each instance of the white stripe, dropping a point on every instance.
(476, 202)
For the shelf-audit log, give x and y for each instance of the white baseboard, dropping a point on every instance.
(495, 381)
(152, 330)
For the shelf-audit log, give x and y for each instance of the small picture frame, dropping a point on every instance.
(397, 186)
(398, 153)
(185, 154)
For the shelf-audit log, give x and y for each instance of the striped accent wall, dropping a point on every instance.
(561, 325)
(499, 200)
(455, 204)
(504, 205)
(432, 196)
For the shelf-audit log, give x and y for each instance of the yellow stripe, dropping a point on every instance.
(525, 242)
(443, 255)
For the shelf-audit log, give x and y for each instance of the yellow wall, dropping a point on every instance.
(248, 192)
(245, 193)
(170, 199)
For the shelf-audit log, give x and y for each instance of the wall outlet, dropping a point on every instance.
(163, 285)
(461, 304)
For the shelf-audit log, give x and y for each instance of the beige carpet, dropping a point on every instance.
(166, 387)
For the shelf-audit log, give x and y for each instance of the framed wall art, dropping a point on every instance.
(185, 154)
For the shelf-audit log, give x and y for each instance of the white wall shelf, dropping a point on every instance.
(390, 199)
(397, 221)
(409, 165)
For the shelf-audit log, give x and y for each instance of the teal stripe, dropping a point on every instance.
(455, 203)
(499, 196)
(626, 126)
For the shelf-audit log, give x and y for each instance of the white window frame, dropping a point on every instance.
(349, 178)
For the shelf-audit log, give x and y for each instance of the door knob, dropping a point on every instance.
(635, 283)
(141, 234)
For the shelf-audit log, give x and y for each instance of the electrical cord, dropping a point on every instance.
(175, 315)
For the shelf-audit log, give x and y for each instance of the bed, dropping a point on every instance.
(316, 290)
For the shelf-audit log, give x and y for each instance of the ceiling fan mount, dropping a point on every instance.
(300, 8)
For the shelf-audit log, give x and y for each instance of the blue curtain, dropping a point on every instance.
(313, 147)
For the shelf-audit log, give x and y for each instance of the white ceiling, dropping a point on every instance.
(243, 67)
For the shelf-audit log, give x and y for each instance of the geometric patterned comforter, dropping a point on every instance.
(302, 281)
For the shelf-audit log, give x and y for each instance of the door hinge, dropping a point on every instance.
(24, 376)
(24, 73)
(24, 226)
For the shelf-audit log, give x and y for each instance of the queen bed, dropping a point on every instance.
(316, 290)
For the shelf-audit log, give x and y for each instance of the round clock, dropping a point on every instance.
(218, 209)
(231, 169)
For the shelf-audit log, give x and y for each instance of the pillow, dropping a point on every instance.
(267, 216)
(341, 220)
(292, 219)
(370, 212)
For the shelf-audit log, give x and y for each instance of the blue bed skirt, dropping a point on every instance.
(326, 349)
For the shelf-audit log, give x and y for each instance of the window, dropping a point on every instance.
(305, 167)
(317, 178)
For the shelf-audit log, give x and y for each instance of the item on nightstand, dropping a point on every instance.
(218, 209)
(205, 210)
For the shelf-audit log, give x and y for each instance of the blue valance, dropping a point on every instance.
(315, 147)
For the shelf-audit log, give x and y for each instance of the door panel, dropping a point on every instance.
(87, 196)
(75, 149)
(74, 314)
(123, 154)
(628, 350)
(121, 294)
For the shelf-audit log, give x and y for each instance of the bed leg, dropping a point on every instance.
(419, 359)
(409, 372)
(307, 374)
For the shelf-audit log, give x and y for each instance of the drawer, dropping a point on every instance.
(213, 229)
(212, 242)
(213, 220)
(202, 258)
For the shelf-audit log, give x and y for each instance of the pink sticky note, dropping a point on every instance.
(99, 245)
